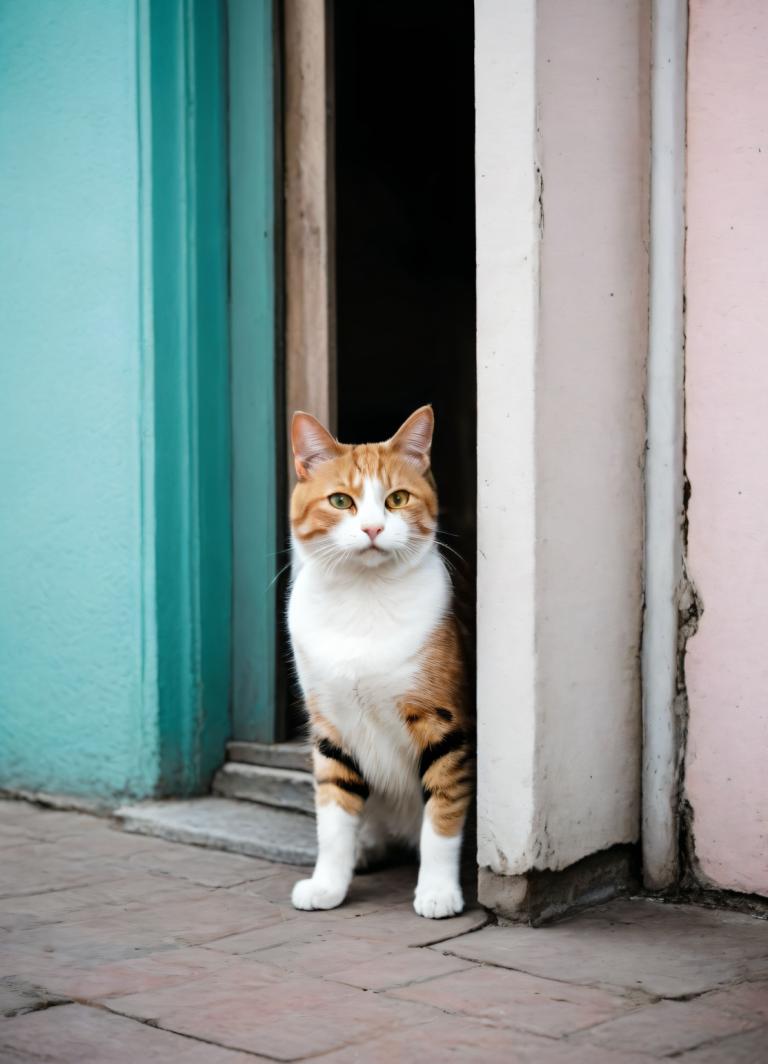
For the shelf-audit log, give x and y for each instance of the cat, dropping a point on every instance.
(378, 656)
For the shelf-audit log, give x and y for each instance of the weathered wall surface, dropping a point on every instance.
(73, 666)
(726, 780)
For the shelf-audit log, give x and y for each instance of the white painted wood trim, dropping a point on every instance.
(664, 462)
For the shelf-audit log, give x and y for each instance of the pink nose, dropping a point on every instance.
(373, 531)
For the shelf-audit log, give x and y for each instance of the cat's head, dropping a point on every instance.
(370, 506)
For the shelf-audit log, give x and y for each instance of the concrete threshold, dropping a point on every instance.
(224, 824)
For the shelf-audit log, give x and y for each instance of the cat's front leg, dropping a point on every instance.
(448, 785)
(340, 794)
(438, 892)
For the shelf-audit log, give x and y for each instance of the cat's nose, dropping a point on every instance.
(372, 531)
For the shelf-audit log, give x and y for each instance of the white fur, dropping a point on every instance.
(357, 638)
(438, 892)
(359, 620)
(336, 832)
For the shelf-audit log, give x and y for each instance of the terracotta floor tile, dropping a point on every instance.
(75, 1034)
(665, 950)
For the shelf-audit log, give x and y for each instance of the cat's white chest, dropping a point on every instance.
(358, 645)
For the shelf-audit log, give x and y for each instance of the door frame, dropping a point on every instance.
(310, 298)
(257, 369)
(185, 474)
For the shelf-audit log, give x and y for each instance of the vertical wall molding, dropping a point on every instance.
(664, 459)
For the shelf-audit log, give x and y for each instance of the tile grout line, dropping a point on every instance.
(157, 1026)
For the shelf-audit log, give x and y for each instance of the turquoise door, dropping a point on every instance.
(214, 132)
(219, 474)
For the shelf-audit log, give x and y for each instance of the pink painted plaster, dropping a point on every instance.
(727, 431)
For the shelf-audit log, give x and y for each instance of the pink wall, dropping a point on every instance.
(727, 432)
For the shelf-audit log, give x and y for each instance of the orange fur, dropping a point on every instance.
(312, 514)
(435, 712)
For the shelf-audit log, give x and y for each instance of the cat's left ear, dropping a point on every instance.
(414, 438)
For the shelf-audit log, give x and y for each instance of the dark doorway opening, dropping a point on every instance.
(405, 238)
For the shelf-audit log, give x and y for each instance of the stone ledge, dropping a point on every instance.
(282, 788)
(296, 755)
(223, 824)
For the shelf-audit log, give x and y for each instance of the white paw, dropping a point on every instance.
(315, 894)
(437, 902)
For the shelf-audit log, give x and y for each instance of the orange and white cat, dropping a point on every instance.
(377, 651)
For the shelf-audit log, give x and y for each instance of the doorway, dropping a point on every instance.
(399, 275)
(405, 237)
(374, 151)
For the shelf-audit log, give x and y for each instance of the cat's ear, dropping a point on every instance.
(413, 440)
(312, 444)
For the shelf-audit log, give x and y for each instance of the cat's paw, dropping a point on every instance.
(437, 902)
(315, 894)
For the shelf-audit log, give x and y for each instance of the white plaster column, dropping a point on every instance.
(562, 229)
(507, 296)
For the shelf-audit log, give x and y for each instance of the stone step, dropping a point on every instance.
(296, 755)
(283, 788)
(223, 824)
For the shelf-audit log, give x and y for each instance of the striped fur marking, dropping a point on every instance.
(335, 768)
(360, 789)
(446, 783)
(335, 753)
(432, 753)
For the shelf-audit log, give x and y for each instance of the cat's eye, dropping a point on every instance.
(340, 501)
(397, 499)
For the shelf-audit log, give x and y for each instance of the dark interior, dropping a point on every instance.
(405, 236)
(403, 95)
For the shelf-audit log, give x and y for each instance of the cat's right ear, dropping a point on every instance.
(312, 444)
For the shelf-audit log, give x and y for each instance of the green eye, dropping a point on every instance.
(340, 501)
(397, 499)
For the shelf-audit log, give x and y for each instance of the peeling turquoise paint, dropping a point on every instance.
(115, 534)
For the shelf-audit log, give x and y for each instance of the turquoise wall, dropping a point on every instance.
(90, 437)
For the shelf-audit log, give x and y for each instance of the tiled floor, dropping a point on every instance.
(121, 948)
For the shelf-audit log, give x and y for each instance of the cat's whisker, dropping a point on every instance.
(328, 551)
(277, 576)
(449, 566)
(274, 553)
(447, 546)
(336, 559)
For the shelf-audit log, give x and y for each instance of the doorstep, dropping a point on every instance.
(226, 824)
